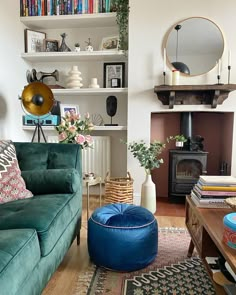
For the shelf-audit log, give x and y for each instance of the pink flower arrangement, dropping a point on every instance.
(73, 129)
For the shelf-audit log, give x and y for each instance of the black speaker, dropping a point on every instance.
(111, 106)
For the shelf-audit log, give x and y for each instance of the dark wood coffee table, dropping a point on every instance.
(206, 230)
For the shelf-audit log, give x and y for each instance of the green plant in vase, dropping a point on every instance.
(180, 139)
(149, 158)
(147, 155)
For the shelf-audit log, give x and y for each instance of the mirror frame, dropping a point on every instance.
(168, 62)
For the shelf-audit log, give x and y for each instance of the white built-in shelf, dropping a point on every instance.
(96, 128)
(112, 128)
(88, 91)
(70, 21)
(116, 55)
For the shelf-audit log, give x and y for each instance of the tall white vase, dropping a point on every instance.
(148, 194)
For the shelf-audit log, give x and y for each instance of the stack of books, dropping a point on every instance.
(65, 7)
(211, 191)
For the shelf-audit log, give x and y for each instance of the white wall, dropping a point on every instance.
(149, 24)
(12, 73)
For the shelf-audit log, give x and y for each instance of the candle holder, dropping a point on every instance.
(164, 78)
(229, 68)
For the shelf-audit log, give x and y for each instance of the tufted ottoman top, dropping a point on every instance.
(122, 216)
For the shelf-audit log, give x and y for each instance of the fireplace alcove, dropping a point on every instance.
(215, 127)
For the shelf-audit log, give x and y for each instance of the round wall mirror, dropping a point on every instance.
(194, 45)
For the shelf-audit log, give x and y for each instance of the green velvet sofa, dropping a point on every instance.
(36, 233)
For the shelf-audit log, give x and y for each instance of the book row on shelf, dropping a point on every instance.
(64, 7)
(212, 191)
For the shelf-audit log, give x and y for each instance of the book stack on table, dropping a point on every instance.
(211, 191)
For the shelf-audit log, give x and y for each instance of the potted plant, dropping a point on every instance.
(121, 7)
(149, 158)
(77, 47)
(180, 139)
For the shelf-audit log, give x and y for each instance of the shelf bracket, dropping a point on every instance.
(172, 99)
(215, 99)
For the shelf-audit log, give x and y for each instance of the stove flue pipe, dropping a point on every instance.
(186, 124)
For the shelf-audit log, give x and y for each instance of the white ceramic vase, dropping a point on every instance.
(94, 83)
(77, 49)
(74, 78)
(148, 194)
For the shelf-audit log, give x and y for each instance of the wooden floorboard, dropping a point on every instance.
(77, 258)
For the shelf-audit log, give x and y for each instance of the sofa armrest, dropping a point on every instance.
(52, 181)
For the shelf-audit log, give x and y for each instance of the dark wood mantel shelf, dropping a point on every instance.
(193, 94)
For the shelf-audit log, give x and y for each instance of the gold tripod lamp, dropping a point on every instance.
(38, 100)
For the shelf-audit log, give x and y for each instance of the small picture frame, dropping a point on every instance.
(114, 75)
(67, 108)
(110, 43)
(34, 41)
(51, 45)
(115, 83)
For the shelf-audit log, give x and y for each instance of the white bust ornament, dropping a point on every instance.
(89, 46)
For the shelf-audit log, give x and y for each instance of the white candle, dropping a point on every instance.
(164, 62)
(219, 67)
(229, 58)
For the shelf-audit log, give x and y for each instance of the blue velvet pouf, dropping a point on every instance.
(122, 237)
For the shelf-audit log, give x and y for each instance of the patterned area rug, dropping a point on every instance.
(171, 273)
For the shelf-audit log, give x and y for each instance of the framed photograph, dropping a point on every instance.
(34, 41)
(51, 45)
(68, 108)
(110, 43)
(114, 75)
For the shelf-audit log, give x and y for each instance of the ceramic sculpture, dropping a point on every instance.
(89, 46)
(94, 83)
(64, 47)
(74, 78)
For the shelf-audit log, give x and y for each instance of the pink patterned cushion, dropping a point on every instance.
(12, 185)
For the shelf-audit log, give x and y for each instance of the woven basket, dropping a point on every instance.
(118, 189)
(231, 202)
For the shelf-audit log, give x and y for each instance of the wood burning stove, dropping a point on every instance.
(184, 170)
(187, 164)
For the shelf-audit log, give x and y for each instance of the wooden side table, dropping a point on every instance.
(205, 226)
(88, 183)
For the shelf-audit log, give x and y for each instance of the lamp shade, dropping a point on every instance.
(37, 99)
(183, 68)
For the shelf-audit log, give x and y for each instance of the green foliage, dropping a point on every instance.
(122, 19)
(147, 155)
(179, 137)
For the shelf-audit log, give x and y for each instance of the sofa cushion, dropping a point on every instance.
(12, 185)
(39, 156)
(52, 181)
(49, 214)
(19, 254)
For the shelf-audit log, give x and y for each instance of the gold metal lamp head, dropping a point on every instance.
(37, 99)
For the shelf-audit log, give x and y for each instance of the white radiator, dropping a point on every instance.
(98, 158)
